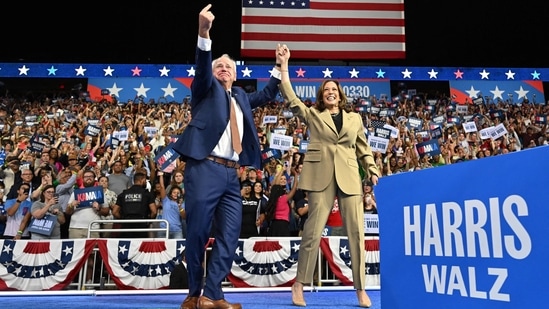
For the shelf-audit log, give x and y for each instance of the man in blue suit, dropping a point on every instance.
(211, 171)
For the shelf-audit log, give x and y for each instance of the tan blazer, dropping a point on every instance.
(330, 152)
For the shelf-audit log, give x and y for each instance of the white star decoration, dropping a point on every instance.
(510, 74)
(497, 93)
(535, 74)
(354, 73)
(114, 90)
(142, 91)
(432, 74)
(122, 249)
(246, 72)
(406, 74)
(191, 71)
(80, 71)
(164, 71)
(67, 250)
(7, 249)
(168, 91)
(472, 92)
(327, 73)
(23, 70)
(521, 93)
(108, 71)
(484, 74)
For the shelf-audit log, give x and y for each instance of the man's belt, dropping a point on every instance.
(225, 162)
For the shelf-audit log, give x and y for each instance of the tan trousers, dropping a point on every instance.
(352, 213)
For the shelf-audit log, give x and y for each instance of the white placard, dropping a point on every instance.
(280, 141)
(270, 119)
(470, 126)
(371, 224)
(120, 135)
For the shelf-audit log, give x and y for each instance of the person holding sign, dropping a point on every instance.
(47, 216)
(212, 161)
(87, 204)
(337, 146)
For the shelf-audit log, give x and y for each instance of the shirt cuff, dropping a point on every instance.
(276, 73)
(204, 44)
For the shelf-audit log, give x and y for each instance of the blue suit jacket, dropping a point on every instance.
(210, 114)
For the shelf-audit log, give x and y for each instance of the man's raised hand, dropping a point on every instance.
(205, 20)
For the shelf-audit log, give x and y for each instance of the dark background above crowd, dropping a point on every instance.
(438, 33)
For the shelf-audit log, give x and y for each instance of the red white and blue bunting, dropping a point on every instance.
(29, 265)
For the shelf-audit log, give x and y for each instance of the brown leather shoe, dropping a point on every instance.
(189, 303)
(206, 303)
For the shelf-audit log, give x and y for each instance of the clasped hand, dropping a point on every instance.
(282, 53)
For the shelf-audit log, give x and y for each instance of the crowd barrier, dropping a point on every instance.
(148, 264)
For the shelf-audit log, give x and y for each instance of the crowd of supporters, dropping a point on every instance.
(64, 136)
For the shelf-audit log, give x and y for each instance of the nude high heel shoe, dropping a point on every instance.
(297, 295)
(363, 299)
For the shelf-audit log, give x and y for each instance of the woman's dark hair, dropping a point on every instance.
(174, 188)
(42, 194)
(320, 96)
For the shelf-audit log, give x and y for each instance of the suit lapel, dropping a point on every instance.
(327, 118)
(346, 120)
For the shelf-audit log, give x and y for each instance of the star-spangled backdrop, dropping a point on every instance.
(79, 70)
(171, 82)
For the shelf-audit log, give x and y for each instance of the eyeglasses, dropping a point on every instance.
(26, 174)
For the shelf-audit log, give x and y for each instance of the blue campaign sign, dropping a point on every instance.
(467, 235)
(86, 196)
(306, 89)
(166, 156)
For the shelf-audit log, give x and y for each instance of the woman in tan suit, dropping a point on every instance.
(331, 168)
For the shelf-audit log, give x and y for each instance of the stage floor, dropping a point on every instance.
(171, 299)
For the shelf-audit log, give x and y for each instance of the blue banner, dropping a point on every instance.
(306, 89)
(166, 156)
(494, 91)
(86, 196)
(429, 147)
(474, 236)
(269, 153)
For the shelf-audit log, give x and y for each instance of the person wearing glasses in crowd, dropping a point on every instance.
(83, 215)
(27, 177)
(48, 205)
